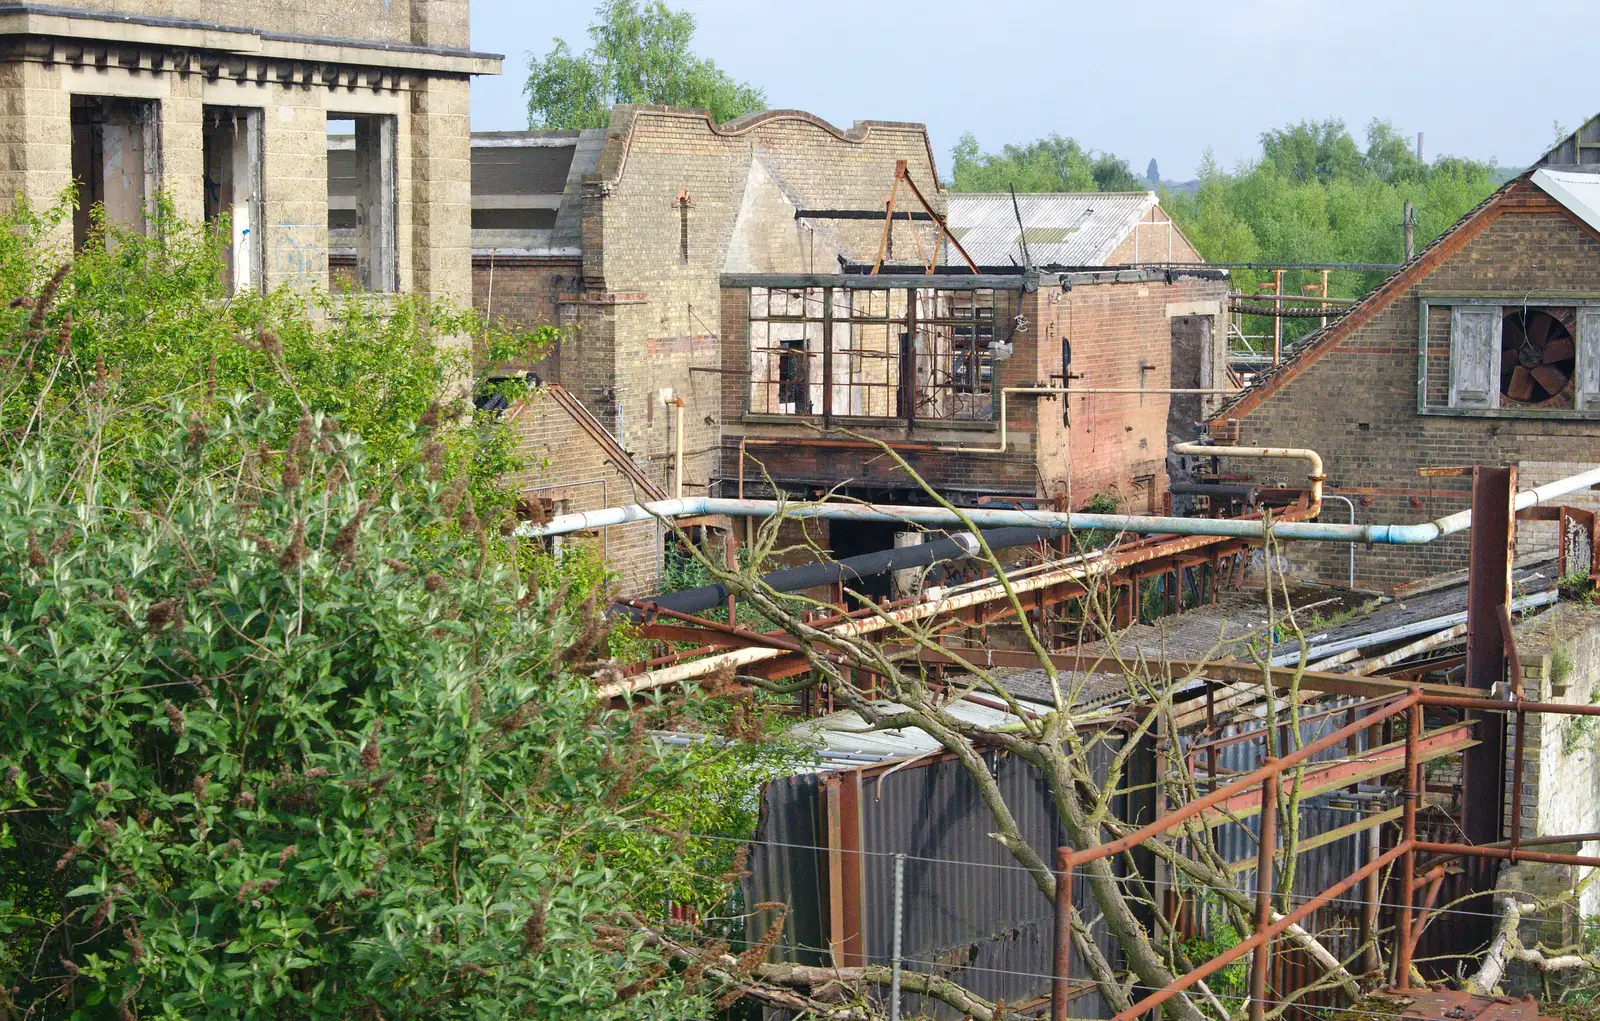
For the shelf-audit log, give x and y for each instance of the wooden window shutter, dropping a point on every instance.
(1474, 357)
(1587, 385)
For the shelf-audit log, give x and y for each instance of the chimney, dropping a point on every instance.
(1419, 147)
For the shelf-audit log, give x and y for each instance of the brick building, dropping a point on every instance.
(1484, 349)
(573, 464)
(226, 108)
(648, 240)
(941, 367)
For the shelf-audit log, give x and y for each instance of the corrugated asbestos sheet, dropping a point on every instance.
(1062, 229)
(970, 913)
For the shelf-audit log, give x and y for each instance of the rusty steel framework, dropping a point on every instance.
(1491, 696)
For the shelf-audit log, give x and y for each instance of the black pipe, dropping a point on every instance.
(1213, 489)
(959, 546)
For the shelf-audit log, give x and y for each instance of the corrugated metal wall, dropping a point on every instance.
(971, 914)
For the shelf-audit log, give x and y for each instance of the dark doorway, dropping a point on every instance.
(852, 539)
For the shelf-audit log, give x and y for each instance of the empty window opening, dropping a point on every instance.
(363, 201)
(231, 142)
(683, 226)
(115, 162)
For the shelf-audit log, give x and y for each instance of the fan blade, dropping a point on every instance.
(1558, 349)
(1539, 328)
(1551, 378)
(1521, 387)
(1508, 361)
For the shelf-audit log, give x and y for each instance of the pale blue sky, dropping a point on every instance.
(1151, 78)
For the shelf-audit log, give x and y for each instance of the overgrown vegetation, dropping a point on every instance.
(288, 727)
(1050, 164)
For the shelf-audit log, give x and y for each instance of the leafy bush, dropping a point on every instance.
(283, 731)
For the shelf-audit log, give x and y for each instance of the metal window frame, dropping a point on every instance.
(907, 325)
(1429, 300)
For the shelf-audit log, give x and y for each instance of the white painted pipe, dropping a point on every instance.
(1397, 534)
(1313, 460)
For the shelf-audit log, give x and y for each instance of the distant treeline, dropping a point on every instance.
(1313, 195)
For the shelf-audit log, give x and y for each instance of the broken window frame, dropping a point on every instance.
(873, 352)
(239, 178)
(377, 200)
(141, 119)
(1586, 370)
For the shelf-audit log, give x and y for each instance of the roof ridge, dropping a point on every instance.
(1379, 297)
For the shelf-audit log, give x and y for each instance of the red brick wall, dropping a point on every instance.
(1357, 403)
(1116, 443)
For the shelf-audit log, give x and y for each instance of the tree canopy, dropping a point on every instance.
(1052, 163)
(1316, 195)
(639, 53)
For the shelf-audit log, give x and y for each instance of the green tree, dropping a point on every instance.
(1314, 195)
(283, 734)
(1050, 164)
(640, 53)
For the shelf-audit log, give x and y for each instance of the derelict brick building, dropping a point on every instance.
(1484, 349)
(226, 109)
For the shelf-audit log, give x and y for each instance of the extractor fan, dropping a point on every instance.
(1537, 356)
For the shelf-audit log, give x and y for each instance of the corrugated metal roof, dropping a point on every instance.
(1062, 228)
(1579, 191)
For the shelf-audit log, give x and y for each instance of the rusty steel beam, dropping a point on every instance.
(1244, 783)
(1321, 777)
(1271, 932)
(1493, 542)
(1061, 979)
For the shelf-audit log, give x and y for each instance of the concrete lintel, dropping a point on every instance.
(83, 25)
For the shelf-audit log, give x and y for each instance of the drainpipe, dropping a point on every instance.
(677, 428)
(1391, 534)
(1313, 461)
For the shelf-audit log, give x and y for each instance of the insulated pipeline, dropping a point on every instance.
(959, 546)
(938, 517)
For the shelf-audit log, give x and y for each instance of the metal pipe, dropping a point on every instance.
(1267, 843)
(1244, 783)
(1420, 627)
(1061, 979)
(1005, 393)
(1313, 460)
(1350, 504)
(899, 923)
(677, 428)
(1408, 862)
(1414, 534)
(1272, 931)
(1505, 853)
(1510, 706)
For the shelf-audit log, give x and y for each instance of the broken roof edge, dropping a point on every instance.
(619, 133)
